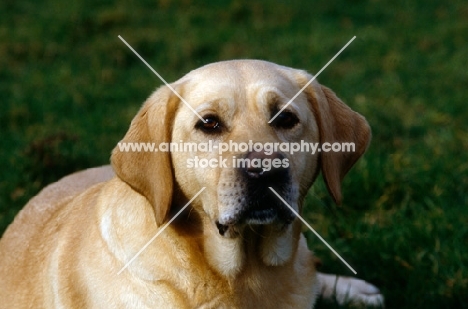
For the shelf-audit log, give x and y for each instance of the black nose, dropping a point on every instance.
(262, 166)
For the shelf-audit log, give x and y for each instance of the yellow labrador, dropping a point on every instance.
(236, 246)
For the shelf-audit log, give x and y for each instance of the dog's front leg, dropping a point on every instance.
(347, 290)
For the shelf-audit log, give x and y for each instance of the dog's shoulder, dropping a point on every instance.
(50, 199)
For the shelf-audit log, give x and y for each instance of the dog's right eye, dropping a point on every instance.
(210, 126)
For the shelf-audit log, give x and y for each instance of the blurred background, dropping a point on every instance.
(69, 89)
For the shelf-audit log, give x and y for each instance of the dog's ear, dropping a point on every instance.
(149, 172)
(337, 123)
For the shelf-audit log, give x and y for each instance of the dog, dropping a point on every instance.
(89, 240)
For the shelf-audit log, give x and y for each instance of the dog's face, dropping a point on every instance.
(237, 99)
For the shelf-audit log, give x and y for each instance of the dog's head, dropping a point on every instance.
(237, 99)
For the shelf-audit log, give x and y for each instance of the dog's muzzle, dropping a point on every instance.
(261, 206)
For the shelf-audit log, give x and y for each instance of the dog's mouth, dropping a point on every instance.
(265, 209)
(265, 216)
(261, 216)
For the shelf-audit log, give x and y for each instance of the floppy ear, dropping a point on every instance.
(337, 123)
(149, 172)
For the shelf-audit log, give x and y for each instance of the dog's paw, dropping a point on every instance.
(352, 291)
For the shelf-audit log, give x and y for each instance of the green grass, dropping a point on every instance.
(69, 89)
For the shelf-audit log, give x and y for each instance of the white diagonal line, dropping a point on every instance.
(159, 232)
(316, 234)
(162, 79)
(313, 78)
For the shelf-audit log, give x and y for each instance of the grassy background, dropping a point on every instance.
(69, 88)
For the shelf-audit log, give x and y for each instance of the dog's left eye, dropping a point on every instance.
(211, 125)
(285, 120)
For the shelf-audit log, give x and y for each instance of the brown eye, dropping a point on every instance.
(285, 120)
(211, 125)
